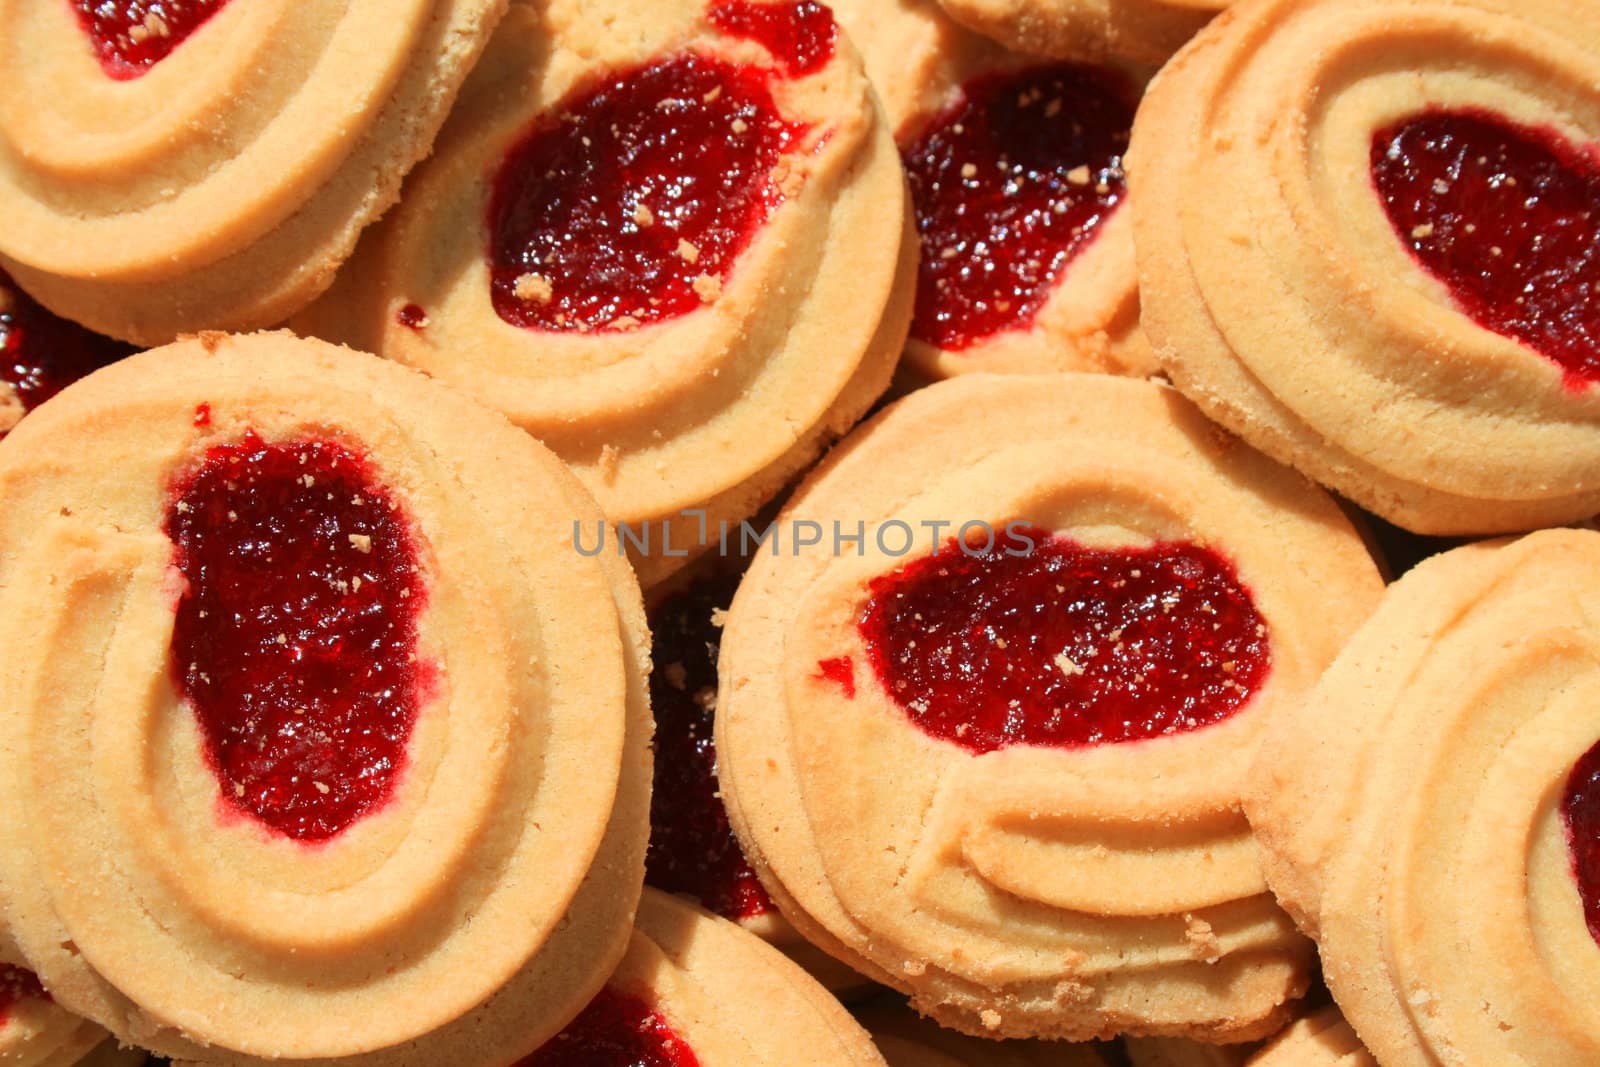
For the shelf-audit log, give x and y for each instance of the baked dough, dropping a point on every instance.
(1320, 1040)
(1146, 31)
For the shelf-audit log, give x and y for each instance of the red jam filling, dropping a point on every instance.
(1009, 184)
(629, 204)
(841, 671)
(131, 36)
(1508, 218)
(615, 1030)
(412, 317)
(17, 984)
(1065, 645)
(40, 354)
(296, 634)
(1581, 809)
(801, 36)
(692, 848)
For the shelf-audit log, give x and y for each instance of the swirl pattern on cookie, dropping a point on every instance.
(173, 167)
(1145, 31)
(322, 740)
(694, 990)
(668, 239)
(1047, 733)
(1435, 842)
(1016, 178)
(1394, 294)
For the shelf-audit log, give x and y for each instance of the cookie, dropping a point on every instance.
(1147, 31)
(1320, 1040)
(41, 354)
(35, 1032)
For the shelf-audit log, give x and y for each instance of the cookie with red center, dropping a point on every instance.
(323, 739)
(980, 752)
(668, 239)
(1015, 167)
(697, 991)
(1442, 843)
(36, 1032)
(1147, 31)
(1320, 1040)
(1395, 295)
(170, 165)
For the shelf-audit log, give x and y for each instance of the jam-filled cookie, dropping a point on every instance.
(1147, 31)
(670, 239)
(1432, 814)
(693, 851)
(36, 1032)
(1366, 242)
(1015, 167)
(169, 167)
(695, 991)
(986, 741)
(1320, 1040)
(41, 354)
(320, 738)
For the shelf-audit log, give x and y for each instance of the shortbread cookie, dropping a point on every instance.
(208, 165)
(1320, 1040)
(41, 354)
(998, 767)
(1430, 816)
(695, 991)
(670, 239)
(1016, 178)
(36, 1032)
(320, 739)
(1147, 31)
(907, 1040)
(1365, 246)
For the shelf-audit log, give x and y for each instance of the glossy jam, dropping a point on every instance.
(131, 36)
(692, 847)
(630, 204)
(296, 634)
(1065, 645)
(1508, 218)
(1580, 807)
(41, 354)
(412, 317)
(17, 984)
(801, 36)
(615, 1030)
(1009, 184)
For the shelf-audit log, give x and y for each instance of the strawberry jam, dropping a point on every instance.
(801, 36)
(629, 204)
(1009, 184)
(615, 1030)
(1508, 218)
(131, 36)
(692, 847)
(40, 354)
(17, 984)
(296, 634)
(1580, 807)
(1064, 644)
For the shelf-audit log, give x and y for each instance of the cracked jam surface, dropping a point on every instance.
(296, 634)
(41, 353)
(1066, 645)
(1009, 185)
(615, 1030)
(1580, 809)
(131, 36)
(693, 849)
(1508, 218)
(629, 204)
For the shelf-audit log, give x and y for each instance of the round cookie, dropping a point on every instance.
(322, 743)
(210, 165)
(696, 991)
(907, 1040)
(676, 254)
(1146, 31)
(1320, 1040)
(41, 354)
(1347, 255)
(34, 1032)
(1049, 719)
(1016, 178)
(1430, 814)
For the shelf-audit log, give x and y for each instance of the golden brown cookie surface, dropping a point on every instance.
(329, 743)
(35, 1032)
(1341, 249)
(1146, 31)
(1005, 841)
(1320, 1040)
(1429, 814)
(207, 188)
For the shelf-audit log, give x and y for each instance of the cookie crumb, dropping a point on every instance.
(990, 1019)
(1423, 231)
(1067, 666)
(643, 216)
(688, 251)
(609, 457)
(1079, 176)
(709, 287)
(719, 617)
(533, 288)
(361, 543)
(1202, 938)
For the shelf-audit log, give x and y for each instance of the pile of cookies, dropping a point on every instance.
(668, 533)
